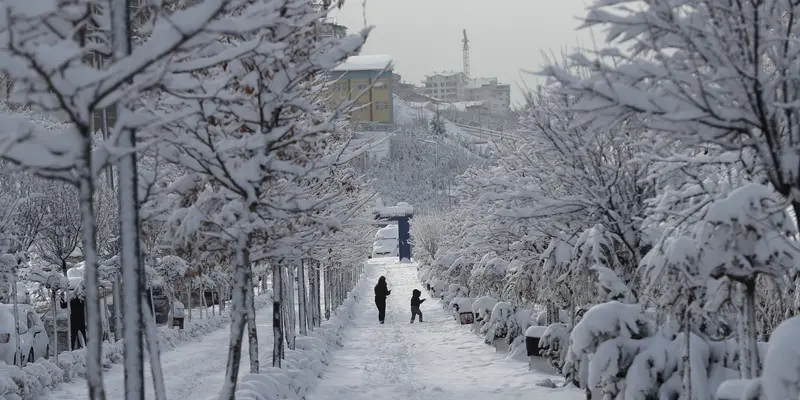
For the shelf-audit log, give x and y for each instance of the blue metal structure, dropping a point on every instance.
(401, 214)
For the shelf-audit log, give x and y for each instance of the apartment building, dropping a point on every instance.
(445, 86)
(497, 96)
(456, 87)
(368, 81)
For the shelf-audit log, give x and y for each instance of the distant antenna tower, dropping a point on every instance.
(466, 54)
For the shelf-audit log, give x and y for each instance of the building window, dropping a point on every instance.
(380, 85)
(340, 86)
(360, 87)
(381, 105)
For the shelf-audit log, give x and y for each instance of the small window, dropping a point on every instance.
(381, 105)
(340, 86)
(379, 85)
(360, 87)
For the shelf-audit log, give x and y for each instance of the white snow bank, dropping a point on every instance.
(42, 376)
(304, 365)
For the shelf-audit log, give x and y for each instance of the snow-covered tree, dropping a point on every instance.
(259, 144)
(62, 235)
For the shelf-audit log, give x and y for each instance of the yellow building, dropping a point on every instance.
(368, 81)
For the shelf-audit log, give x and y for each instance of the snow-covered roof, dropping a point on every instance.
(365, 63)
(478, 82)
(535, 331)
(464, 105)
(399, 210)
(389, 232)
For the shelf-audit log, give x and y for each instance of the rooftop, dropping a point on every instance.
(365, 63)
(479, 82)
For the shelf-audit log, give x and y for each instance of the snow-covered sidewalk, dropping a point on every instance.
(436, 360)
(194, 370)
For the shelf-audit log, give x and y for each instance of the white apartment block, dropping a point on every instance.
(456, 87)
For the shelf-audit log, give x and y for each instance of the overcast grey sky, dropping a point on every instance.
(505, 36)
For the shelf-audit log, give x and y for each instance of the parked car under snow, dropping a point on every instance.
(33, 340)
(386, 242)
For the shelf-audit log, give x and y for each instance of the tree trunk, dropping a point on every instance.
(289, 315)
(277, 329)
(222, 297)
(317, 293)
(686, 359)
(155, 356)
(213, 301)
(189, 298)
(750, 319)
(68, 296)
(238, 321)
(55, 326)
(94, 367)
(105, 315)
(252, 328)
(117, 308)
(17, 344)
(327, 291)
(301, 296)
(152, 303)
(130, 245)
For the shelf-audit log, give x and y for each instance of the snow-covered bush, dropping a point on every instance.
(502, 323)
(461, 304)
(482, 307)
(604, 344)
(487, 275)
(452, 292)
(553, 345)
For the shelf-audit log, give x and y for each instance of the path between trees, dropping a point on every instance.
(194, 370)
(434, 360)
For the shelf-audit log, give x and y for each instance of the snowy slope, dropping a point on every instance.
(437, 359)
(406, 113)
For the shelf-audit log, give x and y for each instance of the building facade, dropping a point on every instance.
(331, 28)
(367, 80)
(445, 86)
(456, 87)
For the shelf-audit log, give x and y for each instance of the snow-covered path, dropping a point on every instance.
(434, 360)
(192, 370)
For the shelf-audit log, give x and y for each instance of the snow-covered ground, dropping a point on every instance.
(437, 359)
(194, 370)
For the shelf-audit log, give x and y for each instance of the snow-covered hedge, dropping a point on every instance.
(37, 378)
(304, 365)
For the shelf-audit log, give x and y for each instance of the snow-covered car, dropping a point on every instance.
(34, 342)
(386, 242)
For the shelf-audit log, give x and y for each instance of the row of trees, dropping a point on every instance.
(222, 152)
(659, 172)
